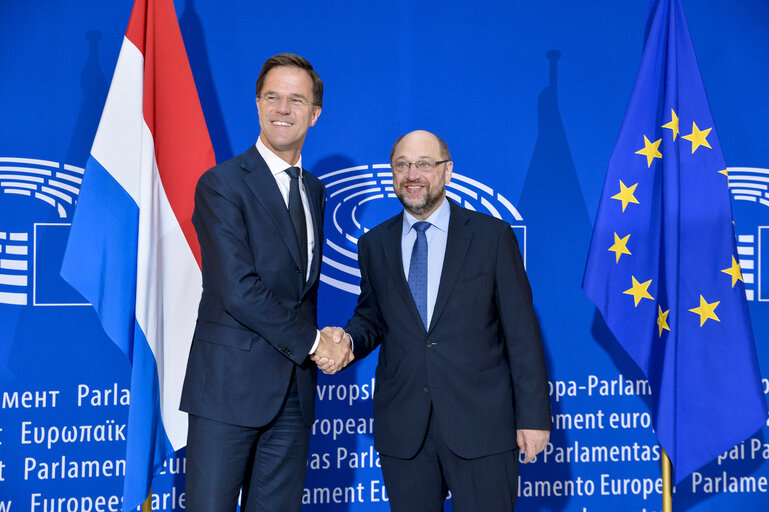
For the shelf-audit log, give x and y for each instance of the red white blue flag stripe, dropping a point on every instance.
(132, 250)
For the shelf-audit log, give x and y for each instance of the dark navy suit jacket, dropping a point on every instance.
(257, 318)
(479, 366)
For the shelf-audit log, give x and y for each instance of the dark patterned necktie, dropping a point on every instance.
(418, 270)
(296, 211)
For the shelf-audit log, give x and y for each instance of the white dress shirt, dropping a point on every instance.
(278, 168)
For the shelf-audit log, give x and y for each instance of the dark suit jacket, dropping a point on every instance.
(257, 318)
(480, 365)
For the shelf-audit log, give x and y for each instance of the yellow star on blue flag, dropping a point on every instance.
(703, 372)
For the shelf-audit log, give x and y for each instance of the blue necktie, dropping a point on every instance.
(418, 270)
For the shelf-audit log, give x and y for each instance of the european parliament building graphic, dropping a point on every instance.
(749, 188)
(43, 195)
(361, 197)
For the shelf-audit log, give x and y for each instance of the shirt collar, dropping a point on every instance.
(439, 218)
(276, 164)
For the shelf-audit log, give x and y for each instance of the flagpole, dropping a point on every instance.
(147, 505)
(667, 483)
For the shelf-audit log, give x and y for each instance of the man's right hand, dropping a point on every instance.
(334, 350)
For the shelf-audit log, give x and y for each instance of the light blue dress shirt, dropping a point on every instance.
(436, 234)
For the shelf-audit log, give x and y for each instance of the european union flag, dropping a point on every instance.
(663, 267)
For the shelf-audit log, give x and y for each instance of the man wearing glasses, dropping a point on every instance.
(250, 385)
(461, 380)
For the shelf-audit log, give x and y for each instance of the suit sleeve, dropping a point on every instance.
(522, 337)
(365, 326)
(224, 242)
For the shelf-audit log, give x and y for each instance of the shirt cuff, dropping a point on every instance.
(317, 342)
(352, 343)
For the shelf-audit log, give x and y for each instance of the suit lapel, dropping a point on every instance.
(315, 199)
(457, 244)
(394, 258)
(264, 187)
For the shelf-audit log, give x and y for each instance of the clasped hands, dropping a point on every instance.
(334, 350)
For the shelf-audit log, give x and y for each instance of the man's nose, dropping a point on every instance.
(284, 105)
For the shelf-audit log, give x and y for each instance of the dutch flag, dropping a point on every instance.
(132, 251)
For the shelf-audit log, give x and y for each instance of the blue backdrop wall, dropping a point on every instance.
(529, 96)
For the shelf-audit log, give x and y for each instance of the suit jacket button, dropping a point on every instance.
(427, 389)
(428, 343)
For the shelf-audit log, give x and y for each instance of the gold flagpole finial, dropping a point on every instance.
(147, 505)
(667, 483)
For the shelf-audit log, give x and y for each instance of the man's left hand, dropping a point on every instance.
(532, 442)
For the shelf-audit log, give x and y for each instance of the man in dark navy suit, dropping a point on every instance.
(461, 385)
(250, 385)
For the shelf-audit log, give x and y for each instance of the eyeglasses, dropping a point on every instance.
(423, 166)
(295, 101)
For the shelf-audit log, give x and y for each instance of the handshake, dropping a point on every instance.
(334, 351)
